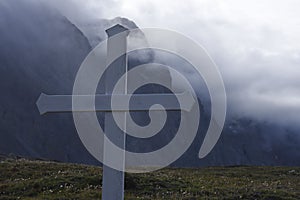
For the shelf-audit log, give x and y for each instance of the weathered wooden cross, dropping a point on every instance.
(113, 180)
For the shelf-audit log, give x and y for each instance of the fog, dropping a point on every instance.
(256, 45)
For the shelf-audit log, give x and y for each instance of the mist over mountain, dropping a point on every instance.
(41, 51)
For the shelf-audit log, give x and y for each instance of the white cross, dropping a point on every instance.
(113, 180)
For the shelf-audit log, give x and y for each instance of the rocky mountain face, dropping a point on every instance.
(41, 51)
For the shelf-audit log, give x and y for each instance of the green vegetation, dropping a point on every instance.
(24, 179)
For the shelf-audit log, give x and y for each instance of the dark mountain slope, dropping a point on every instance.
(40, 51)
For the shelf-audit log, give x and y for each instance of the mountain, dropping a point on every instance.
(41, 51)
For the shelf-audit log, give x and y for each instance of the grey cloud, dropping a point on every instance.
(257, 57)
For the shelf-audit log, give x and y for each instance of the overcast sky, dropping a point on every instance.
(256, 44)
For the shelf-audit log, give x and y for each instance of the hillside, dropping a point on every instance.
(24, 179)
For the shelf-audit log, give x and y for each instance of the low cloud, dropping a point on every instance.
(256, 44)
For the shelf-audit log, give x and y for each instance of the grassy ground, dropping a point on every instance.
(23, 179)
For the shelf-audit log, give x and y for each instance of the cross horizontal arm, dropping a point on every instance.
(139, 102)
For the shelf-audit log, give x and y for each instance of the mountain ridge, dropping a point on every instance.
(42, 50)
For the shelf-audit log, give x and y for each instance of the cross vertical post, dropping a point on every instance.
(113, 180)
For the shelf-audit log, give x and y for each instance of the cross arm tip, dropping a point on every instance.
(40, 103)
